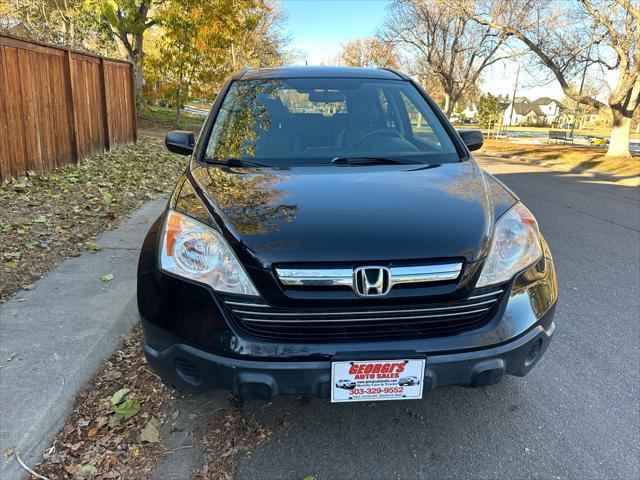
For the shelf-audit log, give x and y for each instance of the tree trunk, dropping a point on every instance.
(136, 56)
(137, 78)
(178, 102)
(619, 146)
(448, 105)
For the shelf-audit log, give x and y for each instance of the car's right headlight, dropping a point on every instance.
(193, 250)
(515, 246)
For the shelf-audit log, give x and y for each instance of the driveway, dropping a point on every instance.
(576, 415)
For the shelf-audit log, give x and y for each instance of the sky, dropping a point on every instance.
(318, 29)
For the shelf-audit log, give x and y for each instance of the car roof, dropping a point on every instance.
(319, 72)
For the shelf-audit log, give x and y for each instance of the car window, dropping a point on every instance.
(420, 126)
(314, 120)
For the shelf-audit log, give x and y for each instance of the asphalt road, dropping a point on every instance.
(575, 416)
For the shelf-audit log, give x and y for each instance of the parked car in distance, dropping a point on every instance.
(327, 215)
(408, 381)
(346, 384)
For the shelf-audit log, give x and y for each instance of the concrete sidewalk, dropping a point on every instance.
(52, 342)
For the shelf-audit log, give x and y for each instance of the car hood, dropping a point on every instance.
(351, 213)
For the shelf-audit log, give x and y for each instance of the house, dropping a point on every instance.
(544, 111)
(522, 113)
(470, 111)
(14, 26)
(550, 109)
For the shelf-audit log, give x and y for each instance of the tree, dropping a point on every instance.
(202, 41)
(369, 52)
(566, 37)
(489, 111)
(459, 111)
(453, 50)
(127, 21)
(68, 24)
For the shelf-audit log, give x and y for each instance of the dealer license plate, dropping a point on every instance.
(377, 380)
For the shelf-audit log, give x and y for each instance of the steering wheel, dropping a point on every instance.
(381, 132)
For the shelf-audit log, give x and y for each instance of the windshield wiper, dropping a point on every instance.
(236, 162)
(365, 160)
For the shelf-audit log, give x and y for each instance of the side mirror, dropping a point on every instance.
(180, 142)
(473, 139)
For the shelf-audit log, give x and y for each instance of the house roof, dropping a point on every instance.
(526, 108)
(522, 100)
(547, 101)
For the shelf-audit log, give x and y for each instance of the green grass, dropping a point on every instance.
(167, 116)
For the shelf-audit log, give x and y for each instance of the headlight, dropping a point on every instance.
(515, 246)
(194, 250)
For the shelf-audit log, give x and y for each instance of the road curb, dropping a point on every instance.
(60, 333)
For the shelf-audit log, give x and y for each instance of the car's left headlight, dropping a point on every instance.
(193, 250)
(515, 246)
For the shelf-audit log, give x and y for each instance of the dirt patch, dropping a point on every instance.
(46, 218)
(107, 437)
(228, 436)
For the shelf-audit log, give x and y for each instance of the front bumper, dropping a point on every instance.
(191, 369)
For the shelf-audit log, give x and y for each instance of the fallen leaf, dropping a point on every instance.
(119, 395)
(128, 408)
(9, 451)
(72, 469)
(100, 422)
(93, 247)
(175, 414)
(150, 432)
(112, 375)
(31, 286)
(11, 356)
(106, 278)
(310, 477)
(88, 469)
(135, 452)
(114, 421)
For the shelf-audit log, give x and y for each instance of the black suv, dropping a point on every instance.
(332, 215)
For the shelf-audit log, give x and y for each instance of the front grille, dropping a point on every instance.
(345, 324)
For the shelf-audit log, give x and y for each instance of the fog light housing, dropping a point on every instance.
(533, 354)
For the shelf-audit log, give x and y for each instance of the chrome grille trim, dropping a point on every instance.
(354, 321)
(374, 312)
(335, 277)
(368, 319)
(244, 304)
(484, 295)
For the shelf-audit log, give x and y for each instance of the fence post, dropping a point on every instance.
(73, 127)
(132, 86)
(105, 106)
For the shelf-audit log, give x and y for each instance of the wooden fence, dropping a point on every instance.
(59, 106)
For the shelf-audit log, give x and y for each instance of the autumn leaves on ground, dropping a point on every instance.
(114, 429)
(46, 218)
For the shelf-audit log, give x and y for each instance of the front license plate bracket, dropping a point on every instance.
(375, 380)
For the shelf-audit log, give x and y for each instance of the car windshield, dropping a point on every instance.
(308, 121)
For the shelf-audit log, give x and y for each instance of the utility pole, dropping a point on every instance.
(513, 100)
